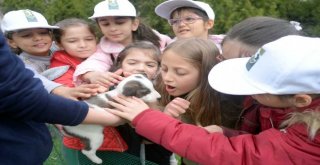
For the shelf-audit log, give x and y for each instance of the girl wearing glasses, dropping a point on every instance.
(189, 18)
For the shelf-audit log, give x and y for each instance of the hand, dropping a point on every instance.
(82, 91)
(127, 107)
(176, 107)
(213, 128)
(106, 79)
(60, 129)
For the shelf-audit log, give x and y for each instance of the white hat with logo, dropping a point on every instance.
(24, 19)
(165, 9)
(289, 65)
(114, 8)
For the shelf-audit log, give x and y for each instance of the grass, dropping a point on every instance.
(55, 157)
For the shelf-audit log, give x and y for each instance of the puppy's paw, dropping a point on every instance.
(92, 156)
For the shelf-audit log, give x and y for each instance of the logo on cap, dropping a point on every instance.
(113, 5)
(30, 16)
(254, 58)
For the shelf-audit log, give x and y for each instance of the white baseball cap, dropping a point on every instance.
(289, 65)
(24, 19)
(165, 9)
(114, 8)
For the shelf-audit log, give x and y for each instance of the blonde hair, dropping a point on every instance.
(204, 109)
(310, 118)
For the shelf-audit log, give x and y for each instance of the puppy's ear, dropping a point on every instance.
(135, 88)
(144, 74)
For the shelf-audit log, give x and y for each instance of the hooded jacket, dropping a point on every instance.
(290, 145)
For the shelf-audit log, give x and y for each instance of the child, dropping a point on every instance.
(189, 18)
(120, 26)
(29, 32)
(184, 61)
(291, 83)
(246, 37)
(188, 60)
(141, 57)
(243, 40)
(77, 41)
(25, 107)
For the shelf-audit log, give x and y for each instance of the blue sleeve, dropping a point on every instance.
(48, 84)
(23, 97)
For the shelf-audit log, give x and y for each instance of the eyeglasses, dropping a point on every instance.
(185, 20)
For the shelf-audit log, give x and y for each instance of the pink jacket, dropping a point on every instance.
(288, 146)
(102, 59)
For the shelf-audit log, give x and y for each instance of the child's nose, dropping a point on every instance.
(37, 36)
(166, 77)
(82, 43)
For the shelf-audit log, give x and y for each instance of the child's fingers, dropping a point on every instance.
(90, 86)
(138, 100)
(121, 114)
(181, 102)
(117, 105)
(122, 99)
(173, 113)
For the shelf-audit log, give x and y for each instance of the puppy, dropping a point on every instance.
(92, 135)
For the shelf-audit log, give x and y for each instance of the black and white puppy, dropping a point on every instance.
(92, 135)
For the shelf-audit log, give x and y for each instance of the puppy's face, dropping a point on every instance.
(139, 86)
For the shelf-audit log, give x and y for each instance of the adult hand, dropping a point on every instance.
(82, 91)
(176, 107)
(127, 107)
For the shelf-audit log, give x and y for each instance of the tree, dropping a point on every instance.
(228, 12)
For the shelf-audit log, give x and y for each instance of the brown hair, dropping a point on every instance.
(196, 11)
(204, 106)
(145, 45)
(257, 31)
(64, 24)
(143, 33)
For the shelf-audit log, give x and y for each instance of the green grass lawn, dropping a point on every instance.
(55, 157)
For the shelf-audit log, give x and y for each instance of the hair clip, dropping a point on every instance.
(296, 25)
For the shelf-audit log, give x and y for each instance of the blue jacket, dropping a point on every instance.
(25, 107)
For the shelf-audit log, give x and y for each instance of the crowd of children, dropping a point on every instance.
(247, 97)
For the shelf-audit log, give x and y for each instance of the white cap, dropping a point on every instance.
(165, 9)
(289, 65)
(114, 8)
(24, 19)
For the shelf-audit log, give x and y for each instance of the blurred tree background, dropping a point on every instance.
(228, 12)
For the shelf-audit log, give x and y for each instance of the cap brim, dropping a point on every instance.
(165, 9)
(231, 77)
(32, 27)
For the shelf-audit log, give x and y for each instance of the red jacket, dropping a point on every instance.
(272, 146)
(256, 117)
(61, 58)
(112, 139)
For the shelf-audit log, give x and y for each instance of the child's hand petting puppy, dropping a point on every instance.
(106, 79)
(127, 107)
(176, 107)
